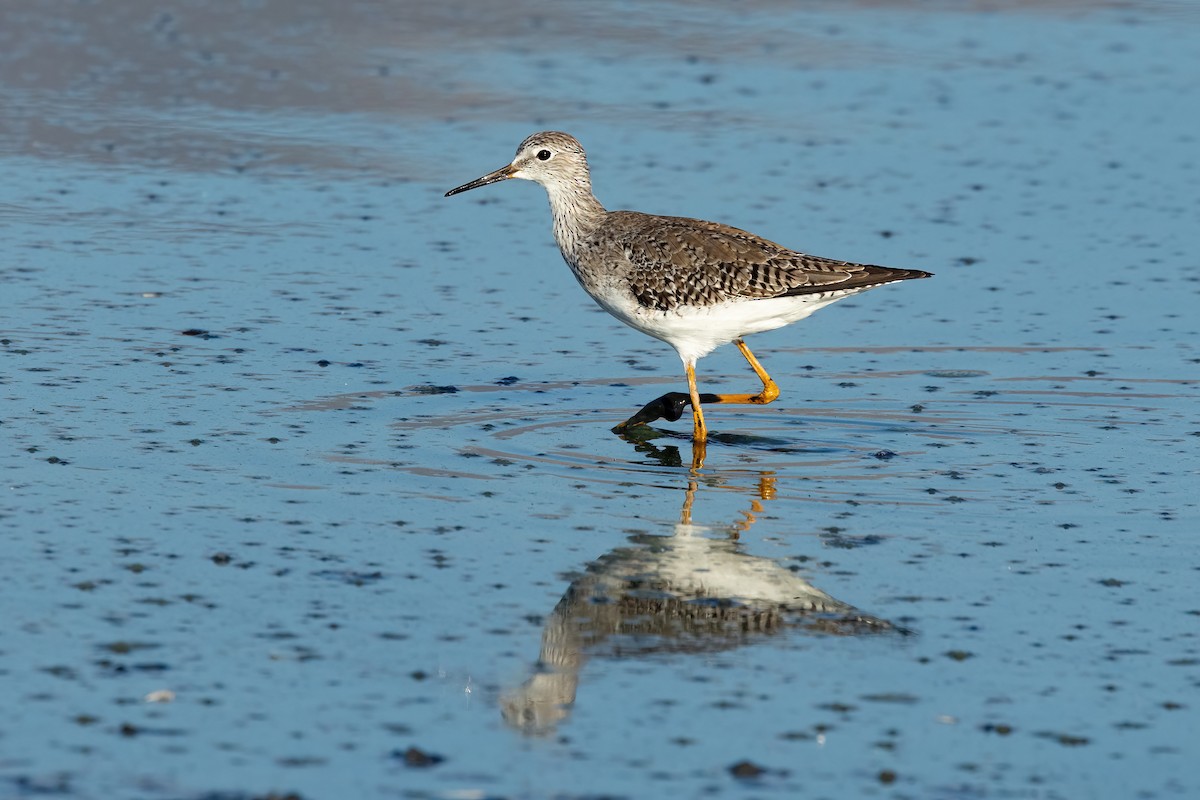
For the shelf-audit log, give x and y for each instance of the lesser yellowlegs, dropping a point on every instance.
(693, 284)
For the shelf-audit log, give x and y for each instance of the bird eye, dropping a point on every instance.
(543, 155)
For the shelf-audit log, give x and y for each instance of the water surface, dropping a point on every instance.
(308, 484)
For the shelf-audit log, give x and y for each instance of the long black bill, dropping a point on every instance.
(502, 174)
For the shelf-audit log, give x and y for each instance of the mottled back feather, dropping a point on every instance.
(676, 261)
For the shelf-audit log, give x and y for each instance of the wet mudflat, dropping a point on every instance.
(308, 484)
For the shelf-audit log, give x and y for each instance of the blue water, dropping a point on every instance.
(292, 437)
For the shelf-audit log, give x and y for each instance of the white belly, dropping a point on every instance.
(695, 331)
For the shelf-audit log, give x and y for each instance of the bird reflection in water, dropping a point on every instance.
(644, 440)
(686, 593)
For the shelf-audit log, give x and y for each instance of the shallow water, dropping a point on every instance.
(320, 459)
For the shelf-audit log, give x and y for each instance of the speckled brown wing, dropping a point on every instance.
(676, 261)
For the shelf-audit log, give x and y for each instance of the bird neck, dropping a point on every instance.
(576, 211)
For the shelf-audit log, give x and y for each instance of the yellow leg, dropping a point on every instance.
(670, 406)
(699, 429)
(769, 391)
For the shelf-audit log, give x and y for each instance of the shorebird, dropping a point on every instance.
(693, 284)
